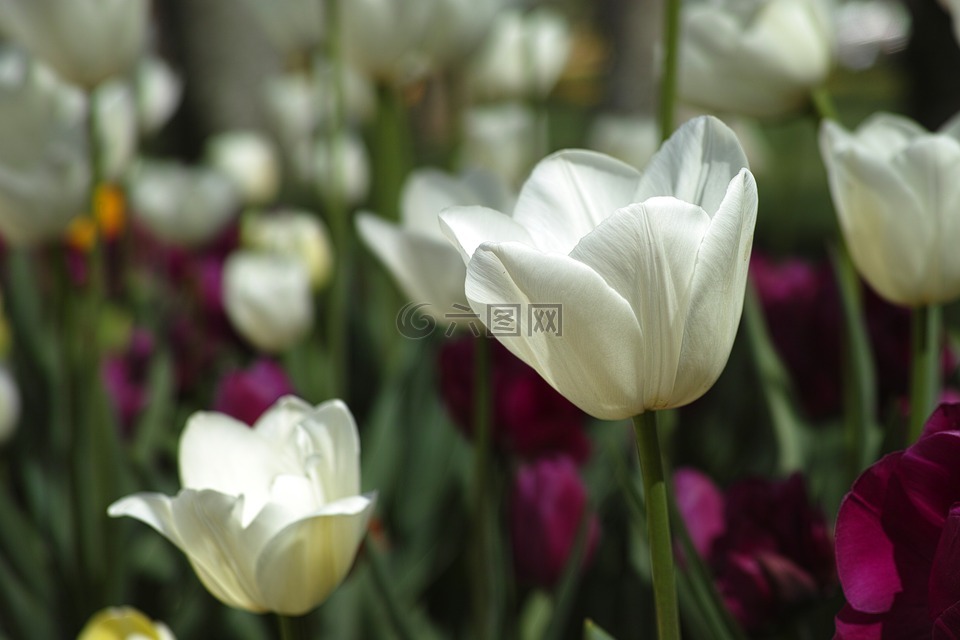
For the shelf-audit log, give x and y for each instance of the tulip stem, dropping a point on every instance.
(668, 81)
(924, 387)
(293, 627)
(335, 202)
(658, 525)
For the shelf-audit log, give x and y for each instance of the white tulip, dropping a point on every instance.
(267, 299)
(271, 517)
(44, 166)
(649, 271)
(250, 160)
(633, 139)
(501, 138)
(415, 252)
(342, 168)
(85, 41)
(117, 132)
(293, 26)
(524, 55)
(382, 38)
(182, 205)
(464, 26)
(124, 623)
(753, 57)
(896, 191)
(298, 234)
(159, 90)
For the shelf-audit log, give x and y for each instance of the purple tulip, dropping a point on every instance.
(768, 547)
(898, 541)
(125, 377)
(246, 393)
(530, 418)
(547, 503)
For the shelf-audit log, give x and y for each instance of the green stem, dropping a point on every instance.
(823, 106)
(924, 382)
(483, 605)
(293, 627)
(860, 392)
(668, 81)
(393, 146)
(334, 200)
(658, 525)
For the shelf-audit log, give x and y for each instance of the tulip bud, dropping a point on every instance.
(547, 505)
(267, 298)
(296, 234)
(158, 91)
(9, 404)
(182, 205)
(250, 160)
(123, 623)
(246, 394)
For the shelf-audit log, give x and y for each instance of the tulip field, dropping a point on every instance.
(502, 319)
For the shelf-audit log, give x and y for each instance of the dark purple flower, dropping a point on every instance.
(530, 418)
(547, 504)
(768, 547)
(126, 376)
(246, 393)
(898, 541)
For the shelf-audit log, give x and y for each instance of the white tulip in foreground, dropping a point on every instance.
(269, 517)
(758, 58)
(416, 253)
(896, 190)
(650, 269)
(267, 298)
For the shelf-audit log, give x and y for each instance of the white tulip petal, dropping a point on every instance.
(882, 135)
(717, 290)
(647, 253)
(225, 455)
(307, 560)
(597, 325)
(469, 227)
(426, 193)
(929, 166)
(204, 525)
(568, 194)
(426, 269)
(695, 164)
(334, 461)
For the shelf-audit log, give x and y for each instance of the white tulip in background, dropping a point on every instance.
(524, 55)
(501, 138)
(293, 26)
(183, 205)
(415, 252)
(117, 130)
(268, 299)
(9, 404)
(44, 166)
(298, 234)
(84, 41)
(896, 191)
(383, 38)
(865, 29)
(953, 8)
(757, 58)
(631, 138)
(270, 517)
(464, 26)
(650, 269)
(250, 160)
(159, 90)
(346, 170)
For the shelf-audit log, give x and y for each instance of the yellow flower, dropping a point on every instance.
(123, 623)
